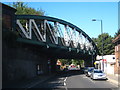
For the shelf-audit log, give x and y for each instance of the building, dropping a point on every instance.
(8, 15)
(20, 61)
(106, 64)
(116, 41)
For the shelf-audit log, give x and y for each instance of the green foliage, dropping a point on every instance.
(71, 61)
(108, 46)
(65, 61)
(23, 9)
(76, 62)
(117, 33)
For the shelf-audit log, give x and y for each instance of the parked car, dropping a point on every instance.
(73, 67)
(89, 72)
(87, 69)
(82, 70)
(98, 74)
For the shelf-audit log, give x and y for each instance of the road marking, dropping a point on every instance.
(65, 79)
(64, 84)
(62, 79)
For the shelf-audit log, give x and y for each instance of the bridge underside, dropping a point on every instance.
(56, 51)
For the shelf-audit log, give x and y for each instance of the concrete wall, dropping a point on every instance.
(21, 63)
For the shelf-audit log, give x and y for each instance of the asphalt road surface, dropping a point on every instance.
(76, 80)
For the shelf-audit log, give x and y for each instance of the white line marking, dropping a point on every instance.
(65, 79)
(64, 84)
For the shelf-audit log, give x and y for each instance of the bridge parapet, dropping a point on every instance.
(55, 31)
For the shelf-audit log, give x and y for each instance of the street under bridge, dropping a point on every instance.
(31, 45)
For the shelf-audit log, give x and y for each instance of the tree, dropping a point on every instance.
(108, 46)
(75, 62)
(23, 9)
(65, 61)
(117, 33)
(71, 61)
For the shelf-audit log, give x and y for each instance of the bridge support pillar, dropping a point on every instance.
(88, 63)
(53, 65)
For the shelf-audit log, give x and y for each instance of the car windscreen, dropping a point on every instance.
(90, 70)
(98, 72)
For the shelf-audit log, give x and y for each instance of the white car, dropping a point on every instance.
(98, 74)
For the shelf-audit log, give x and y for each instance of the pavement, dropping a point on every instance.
(115, 79)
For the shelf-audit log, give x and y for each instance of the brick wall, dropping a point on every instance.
(8, 16)
(117, 55)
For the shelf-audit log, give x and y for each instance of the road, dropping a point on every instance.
(74, 79)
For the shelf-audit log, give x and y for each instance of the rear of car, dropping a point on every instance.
(90, 69)
(86, 69)
(72, 67)
(89, 72)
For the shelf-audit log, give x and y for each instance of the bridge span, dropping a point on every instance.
(57, 37)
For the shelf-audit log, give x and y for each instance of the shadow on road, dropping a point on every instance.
(100, 79)
(58, 81)
(70, 73)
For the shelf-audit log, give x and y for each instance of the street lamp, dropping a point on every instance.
(101, 36)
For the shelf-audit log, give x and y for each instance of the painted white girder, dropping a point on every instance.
(66, 34)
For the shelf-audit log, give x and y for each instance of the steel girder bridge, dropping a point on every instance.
(55, 37)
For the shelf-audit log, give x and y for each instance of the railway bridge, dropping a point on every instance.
(32, 44)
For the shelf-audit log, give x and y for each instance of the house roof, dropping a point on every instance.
(116, 39)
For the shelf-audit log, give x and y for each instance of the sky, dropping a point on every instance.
(82, 13)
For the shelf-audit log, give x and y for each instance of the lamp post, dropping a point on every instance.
(102, 38)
